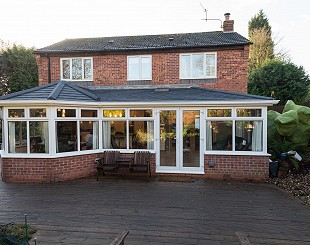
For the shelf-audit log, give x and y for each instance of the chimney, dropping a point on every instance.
(228, 25)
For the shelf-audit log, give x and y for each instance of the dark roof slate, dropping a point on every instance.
(147, 42)
(181, 94)
(64, 91)
(54, 91)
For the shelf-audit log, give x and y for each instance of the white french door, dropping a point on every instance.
(179, 141)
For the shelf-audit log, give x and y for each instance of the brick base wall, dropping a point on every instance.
(52, 169)
(47, 169)
(73, 167)
(237, 167)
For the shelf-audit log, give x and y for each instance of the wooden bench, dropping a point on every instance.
(107, 162)
(141, 162)
(112, 161)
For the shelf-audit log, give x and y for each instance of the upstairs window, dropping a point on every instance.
(76, 69)
(198, 65)
(139, 67)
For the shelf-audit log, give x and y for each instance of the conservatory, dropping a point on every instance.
(54, 132)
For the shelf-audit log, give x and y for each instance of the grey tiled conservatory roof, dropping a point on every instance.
(64, 91)
(147, 42)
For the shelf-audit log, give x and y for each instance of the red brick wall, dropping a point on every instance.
(111, 69)
(47, 169)
(52, 169)
(66, 168)
(237, 167)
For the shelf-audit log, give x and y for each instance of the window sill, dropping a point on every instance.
(237, 153)
(197, 80)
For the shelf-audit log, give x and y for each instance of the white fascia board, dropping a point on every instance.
(135, 104)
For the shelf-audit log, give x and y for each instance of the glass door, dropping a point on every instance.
(179, 148)
(191, 138)
(168, 138)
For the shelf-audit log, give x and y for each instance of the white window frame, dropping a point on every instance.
(204, 76)
(140, 67)
(70, 59)
(26, 119)
(234, 119)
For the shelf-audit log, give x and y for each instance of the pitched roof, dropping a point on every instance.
(64, 91)
(54, 91)
(147, 42)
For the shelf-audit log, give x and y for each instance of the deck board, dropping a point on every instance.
(87, 211)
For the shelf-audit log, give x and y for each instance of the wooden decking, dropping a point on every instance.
(156, 212)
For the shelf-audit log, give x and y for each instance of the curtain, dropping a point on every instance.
(106, 132)
(257, 136)
(150, 135)
(12, 140)
(45, 138)
(209, 136)
(95, 135)
(239, 129)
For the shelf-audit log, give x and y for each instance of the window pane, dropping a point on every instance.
(249, 136)
(113, 113)
(40, 112)
(141, 113)
(66, 139)
(219, 112)
(114, 135)
(210, 65)
(197, 65)
(66, 112)
(87, 69)
(76, 69)
(141, 135)
(146, 70)
(89, 113)
(133, 68)
(89, 135)
(17, 137)
(185, 66)
(249, 112)
(219, 135)
(191, 138)
(39, 137)
(65, 69)
(16, 113)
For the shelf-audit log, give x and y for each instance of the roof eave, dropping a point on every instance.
(249, 103)
(125, 50)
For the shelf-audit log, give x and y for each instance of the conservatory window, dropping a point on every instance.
(17, 137)
(114, 135)
(249, 136)
(89, 135)
(16, 112)
(39, 137)
(66, 136)
(141, 135)
(219, 135)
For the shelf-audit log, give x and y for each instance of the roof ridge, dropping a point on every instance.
(56, 91)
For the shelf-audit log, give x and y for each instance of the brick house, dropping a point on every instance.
(183, 97)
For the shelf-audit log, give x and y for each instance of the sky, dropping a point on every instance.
(40, 23)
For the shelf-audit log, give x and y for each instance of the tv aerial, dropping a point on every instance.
(206, 19)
